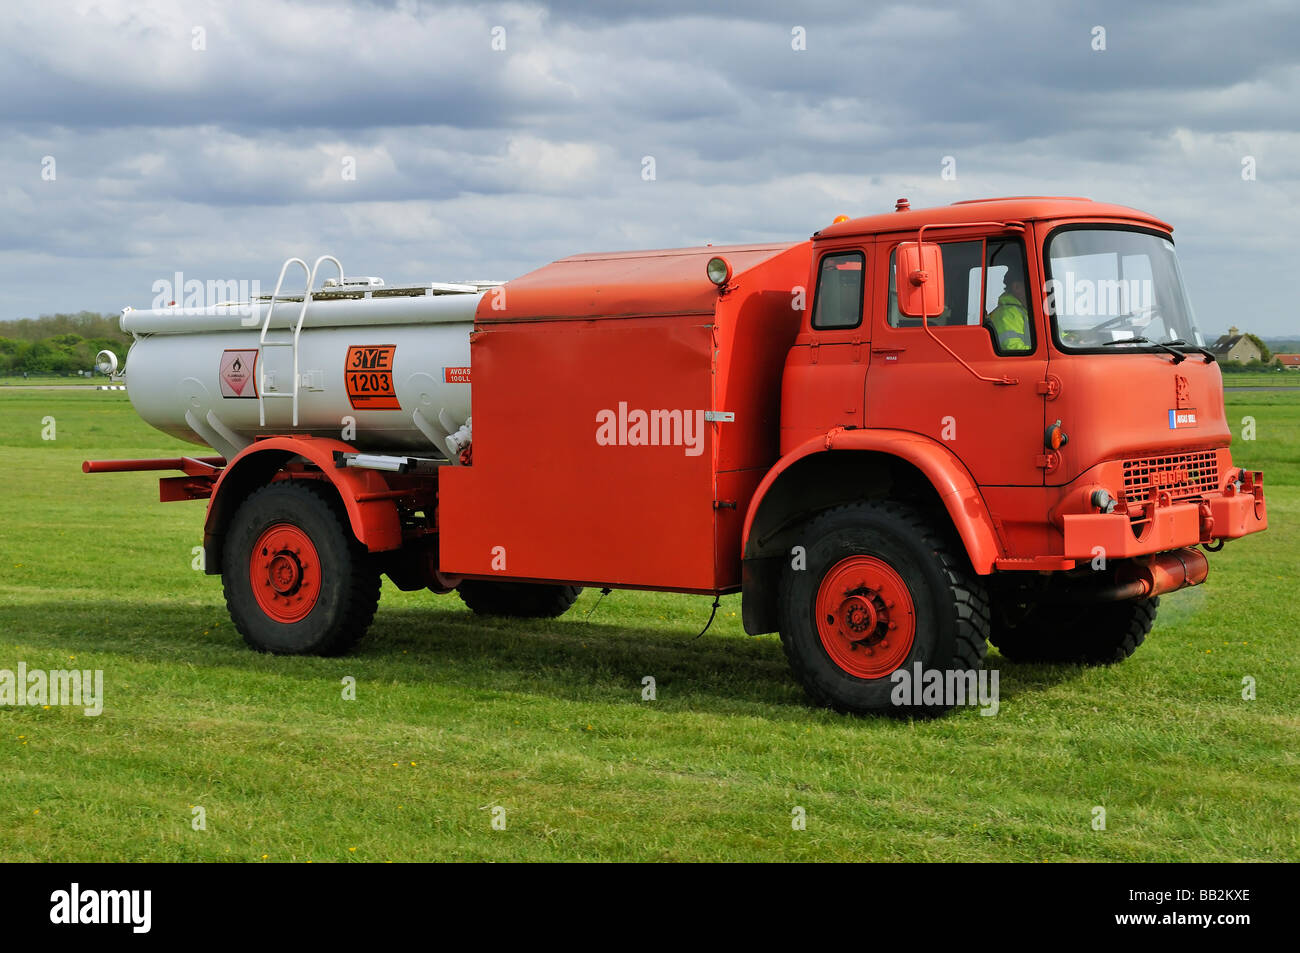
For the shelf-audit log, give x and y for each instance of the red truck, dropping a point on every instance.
(878, 436)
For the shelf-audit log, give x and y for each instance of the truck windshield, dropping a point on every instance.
(1109, 285)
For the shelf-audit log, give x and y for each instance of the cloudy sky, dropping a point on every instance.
(143, 137)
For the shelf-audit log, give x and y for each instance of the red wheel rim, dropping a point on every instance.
(865, 617)
(285, 572)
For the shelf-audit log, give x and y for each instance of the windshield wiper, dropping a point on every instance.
(1209, 355)
(1179, 356)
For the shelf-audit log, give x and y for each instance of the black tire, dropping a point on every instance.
(522, 600)
(948, 599)
(1097, 633)
(348, 578)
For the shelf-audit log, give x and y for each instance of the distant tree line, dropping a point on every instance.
(59, 343)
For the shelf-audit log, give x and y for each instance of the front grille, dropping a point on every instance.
(1182, 475)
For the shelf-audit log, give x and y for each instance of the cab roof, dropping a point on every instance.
(1019, 208)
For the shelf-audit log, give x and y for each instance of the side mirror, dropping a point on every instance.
(919, 279)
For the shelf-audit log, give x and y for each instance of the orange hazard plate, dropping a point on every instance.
(368, 376)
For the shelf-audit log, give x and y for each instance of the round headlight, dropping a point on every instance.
(718, 270)
(1103, 501)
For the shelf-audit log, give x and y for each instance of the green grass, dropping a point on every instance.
(52, 380)
(455, 715)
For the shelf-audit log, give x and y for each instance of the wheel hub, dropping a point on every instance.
(860, 617)
(865, 617)
(285, 573)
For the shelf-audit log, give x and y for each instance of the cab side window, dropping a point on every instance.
(984, 283)
(1006, 301)
(838, 303)
(959, 260)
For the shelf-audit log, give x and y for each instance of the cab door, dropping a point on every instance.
(966, 385)
(824, 384)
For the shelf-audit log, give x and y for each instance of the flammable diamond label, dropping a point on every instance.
(236, 373)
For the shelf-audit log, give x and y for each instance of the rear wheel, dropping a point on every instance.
(1096, 633)
(296, 580)
(524, 600)
(881, 588)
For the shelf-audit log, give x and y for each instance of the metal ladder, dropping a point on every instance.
(265, 340)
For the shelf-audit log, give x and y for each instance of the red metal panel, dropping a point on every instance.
(1171, 527)
(561, 486)
(662, 516)
(757, 324)
(735, 490)
(1107, 421)
(627, 284)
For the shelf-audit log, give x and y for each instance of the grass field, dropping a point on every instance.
(455, 716)
(52, 380)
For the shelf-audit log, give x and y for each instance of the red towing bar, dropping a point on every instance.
(201, 465)
(200, 474)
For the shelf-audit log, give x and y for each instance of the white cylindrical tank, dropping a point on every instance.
(385, 372)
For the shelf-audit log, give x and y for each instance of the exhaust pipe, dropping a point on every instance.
(1165, 572)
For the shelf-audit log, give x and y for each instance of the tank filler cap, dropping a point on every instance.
(902, 205)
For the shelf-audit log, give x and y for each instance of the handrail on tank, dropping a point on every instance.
(262, 342)
(302, 317)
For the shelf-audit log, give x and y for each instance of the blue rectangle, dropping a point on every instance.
(1173, 420)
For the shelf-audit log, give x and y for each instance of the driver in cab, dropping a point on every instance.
(1010, 319)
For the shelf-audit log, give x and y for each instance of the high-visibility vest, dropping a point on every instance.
(1011, 322)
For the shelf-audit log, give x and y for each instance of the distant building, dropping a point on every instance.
(1290, 361)
(1235, 346)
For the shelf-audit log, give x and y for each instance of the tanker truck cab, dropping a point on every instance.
(1059, 461)
(908, 436)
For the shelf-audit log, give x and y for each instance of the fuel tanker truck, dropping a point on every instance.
(877, 436)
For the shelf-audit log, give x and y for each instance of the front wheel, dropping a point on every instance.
(880, 587)
(296, 580)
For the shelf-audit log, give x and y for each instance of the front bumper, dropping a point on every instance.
(1159, 523)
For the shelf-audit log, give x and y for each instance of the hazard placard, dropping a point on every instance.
(368, 377)
(237, 373)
